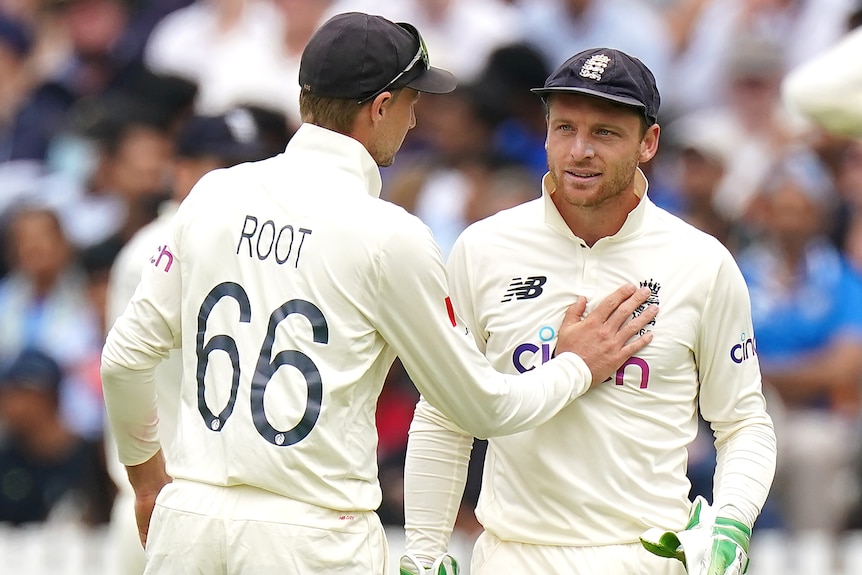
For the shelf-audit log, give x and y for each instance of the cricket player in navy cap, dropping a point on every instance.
(602, 486)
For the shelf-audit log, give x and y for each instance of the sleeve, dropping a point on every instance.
(415, 316)
(828, 88)
(139, 340)
(438, 452)
(731, 398)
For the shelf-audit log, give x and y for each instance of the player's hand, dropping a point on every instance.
(608, 335)
(443, 565)
(147, 480)
(708, 545)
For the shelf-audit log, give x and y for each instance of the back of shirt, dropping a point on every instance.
(290, 286)
(280, 286)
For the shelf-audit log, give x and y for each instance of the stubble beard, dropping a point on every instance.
(608, 189)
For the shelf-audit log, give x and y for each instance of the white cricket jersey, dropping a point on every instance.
(613, 462)
(291, 287)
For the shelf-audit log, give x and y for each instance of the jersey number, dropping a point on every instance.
(266, 364)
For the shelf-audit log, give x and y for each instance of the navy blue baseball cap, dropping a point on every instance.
(15, 34)
(358, 56)
(609, 74)
(232, 137)
(32, 369)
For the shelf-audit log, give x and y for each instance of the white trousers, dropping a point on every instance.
(492, 556)
(204, 529)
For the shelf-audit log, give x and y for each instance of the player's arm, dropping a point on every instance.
(435, 474)
(828, 87)
(716, 539)
(438, 452)
(732, 401)
(442, 360)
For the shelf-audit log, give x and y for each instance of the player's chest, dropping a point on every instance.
(522, 300)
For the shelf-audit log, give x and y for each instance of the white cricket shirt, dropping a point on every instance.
(291, 287)
(612, 463)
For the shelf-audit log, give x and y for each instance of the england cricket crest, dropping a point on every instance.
(654, 287)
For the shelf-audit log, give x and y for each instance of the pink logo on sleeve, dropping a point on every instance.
(164, 257)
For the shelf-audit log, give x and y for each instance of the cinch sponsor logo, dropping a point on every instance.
(525, 353)
(546, 336)
(163, 258)
(745, 349)
(524, 288)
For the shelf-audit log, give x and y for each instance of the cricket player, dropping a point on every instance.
(828, 88)
(603, 483)
(290, 288)
(204, 143)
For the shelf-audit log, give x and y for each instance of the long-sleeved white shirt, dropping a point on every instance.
(290, 287)
(612, 463)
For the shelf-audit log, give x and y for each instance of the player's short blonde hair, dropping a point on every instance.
(336, 114)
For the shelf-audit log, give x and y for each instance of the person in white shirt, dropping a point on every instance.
(290, 288)
(204, 143)
(603, 483)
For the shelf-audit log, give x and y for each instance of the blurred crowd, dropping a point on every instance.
(111, 109)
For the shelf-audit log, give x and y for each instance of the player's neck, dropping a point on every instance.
(593, 223)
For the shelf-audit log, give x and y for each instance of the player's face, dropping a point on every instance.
(593, 148)
(400, 118)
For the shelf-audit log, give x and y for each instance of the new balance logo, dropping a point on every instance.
(524, 288)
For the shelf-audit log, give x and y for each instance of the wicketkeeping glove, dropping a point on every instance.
(443, 565)
(708, 545)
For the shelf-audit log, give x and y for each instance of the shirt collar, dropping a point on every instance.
(633, 221)
(340, 152)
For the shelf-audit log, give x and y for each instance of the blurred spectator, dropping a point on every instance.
(130, 171)
(85, 68)
(238, 52)
(807, 310)
(752, 119)
(561, 28)
(46, 470)
(44, 303)
(204, 143)
(504, 89)
(849, 180)
(800, 29)
(15, 43)
(702, 150)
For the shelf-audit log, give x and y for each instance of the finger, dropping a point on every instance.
(638, 323)
(626, 308)
(637, 344)
(575, 312)
(610, 304)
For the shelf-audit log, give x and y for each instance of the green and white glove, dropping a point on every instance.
(443, 565)
(708, 545)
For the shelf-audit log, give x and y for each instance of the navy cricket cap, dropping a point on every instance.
(609, 74)
(231, 137)
(358, 56)
(32, 369)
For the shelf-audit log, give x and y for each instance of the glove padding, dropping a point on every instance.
(708, 545)
(443, 565)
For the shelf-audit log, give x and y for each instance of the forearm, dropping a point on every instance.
(130, 401)
(435, 474)
(745, 467)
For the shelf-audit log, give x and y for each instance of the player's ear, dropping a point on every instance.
(378, 106)
(649, 143)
